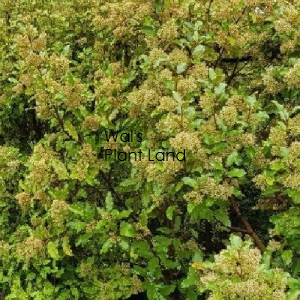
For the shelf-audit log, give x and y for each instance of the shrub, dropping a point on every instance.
(204, 99)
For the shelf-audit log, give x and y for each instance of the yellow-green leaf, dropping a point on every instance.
(66, 246)
(52, 250)
(71, 130)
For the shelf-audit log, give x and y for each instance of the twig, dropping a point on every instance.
(110, 187)
(208, 10)
(247, 225)
(237, 229)
(62, 126)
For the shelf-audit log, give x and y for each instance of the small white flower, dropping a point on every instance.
(258, 10)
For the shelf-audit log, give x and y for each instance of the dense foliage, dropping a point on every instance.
(87, 214)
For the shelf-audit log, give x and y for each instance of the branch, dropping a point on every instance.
(247, 225)
(62, 126)
(219, 57)
(60, 121)
(236, 59)
(110, 187)
(208, 10)
(237, 229)
(233, 73)
(237, 71)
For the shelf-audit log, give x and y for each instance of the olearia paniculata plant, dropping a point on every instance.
(149, 147)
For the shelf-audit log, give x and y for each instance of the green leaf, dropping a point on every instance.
(76, 211)
(295, 110)
(153, 264)
(293, 294)
(124, 214)
(295, 267)
(187, 282)
(222, 125)
(270, 180)
(277, 166)
(148, 30)
(251, 100)
(231, 41)
(266, 259)
(233, 158)
(168, 289)
(287, 256)
(284, 152)
(66, 50)
(190, 181)
(128, 182)
(223, 217)
(207, 139)
(235, 240)
(210, 201)
(178, 186)
(295, 195)
(191, 206)
(217, 165)
(109, 201)
(52, 250)
(212, 74)
(77, 225)
(177, 96)
(66, 247)
(127, 229)
(75, 292)
(142, 248)
(106, 246)
(262, 116)
(177, 223)
(60, 169)
(169, 212)
(236, 173)
(220, 88)
(70, 78)
(169, 85)
(281, 110)
(198, 256)
(181, 68)
(198, 48)
(71, 130)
